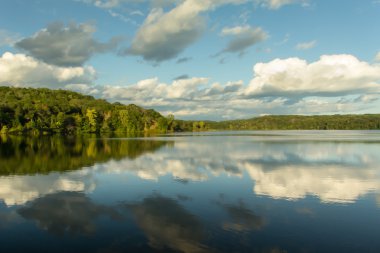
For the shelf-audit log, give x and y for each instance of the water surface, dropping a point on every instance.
(262, 191)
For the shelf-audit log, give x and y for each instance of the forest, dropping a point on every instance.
(44, 111)
(298, 122)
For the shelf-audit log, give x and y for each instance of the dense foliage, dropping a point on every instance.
(295, 122)
(46, 111)
(59, 111)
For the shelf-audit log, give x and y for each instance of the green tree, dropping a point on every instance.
(4, 130)
(170, 122)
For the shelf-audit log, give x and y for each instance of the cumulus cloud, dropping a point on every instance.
(243, 38)
(83, 88)
(331, 75)
(181, 89)
(22, 70)
(186, 98)
(152, 89)
(65, 46)
(277, 4)
(281, 86)
(306, 45)
(164, 36)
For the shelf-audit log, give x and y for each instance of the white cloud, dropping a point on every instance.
(164, 36)
(331, 75)
(277, 4)
(65, 46)
(237, 30)
(22, 70)
(281, 86)
(153, 90)
(184, 97)
(243, 38)
(288, 86)
(306, 45)
(83, 88)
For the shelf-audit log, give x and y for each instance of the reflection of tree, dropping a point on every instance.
(168, 225)
(64, 212)
(242, 218)
(42, 155)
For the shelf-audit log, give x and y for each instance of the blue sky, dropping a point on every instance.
(209, 59)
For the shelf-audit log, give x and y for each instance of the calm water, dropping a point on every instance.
(215, 192)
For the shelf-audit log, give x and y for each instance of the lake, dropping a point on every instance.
(254, 191)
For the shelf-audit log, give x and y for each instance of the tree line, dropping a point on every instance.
(25, 110)
(298, 122)
(28, 110)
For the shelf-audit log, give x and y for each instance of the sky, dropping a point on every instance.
(199, 59)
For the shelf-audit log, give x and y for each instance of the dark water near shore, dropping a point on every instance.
(295, 191)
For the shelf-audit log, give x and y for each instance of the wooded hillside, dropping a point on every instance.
(61, 111)
(25, 110)
(297, 122)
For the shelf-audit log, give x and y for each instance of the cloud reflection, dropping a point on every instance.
(18, 190)
(329, 183)
(242, 218)
(167, 224)
(333, 171)
(66, 212)
(337, 172)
